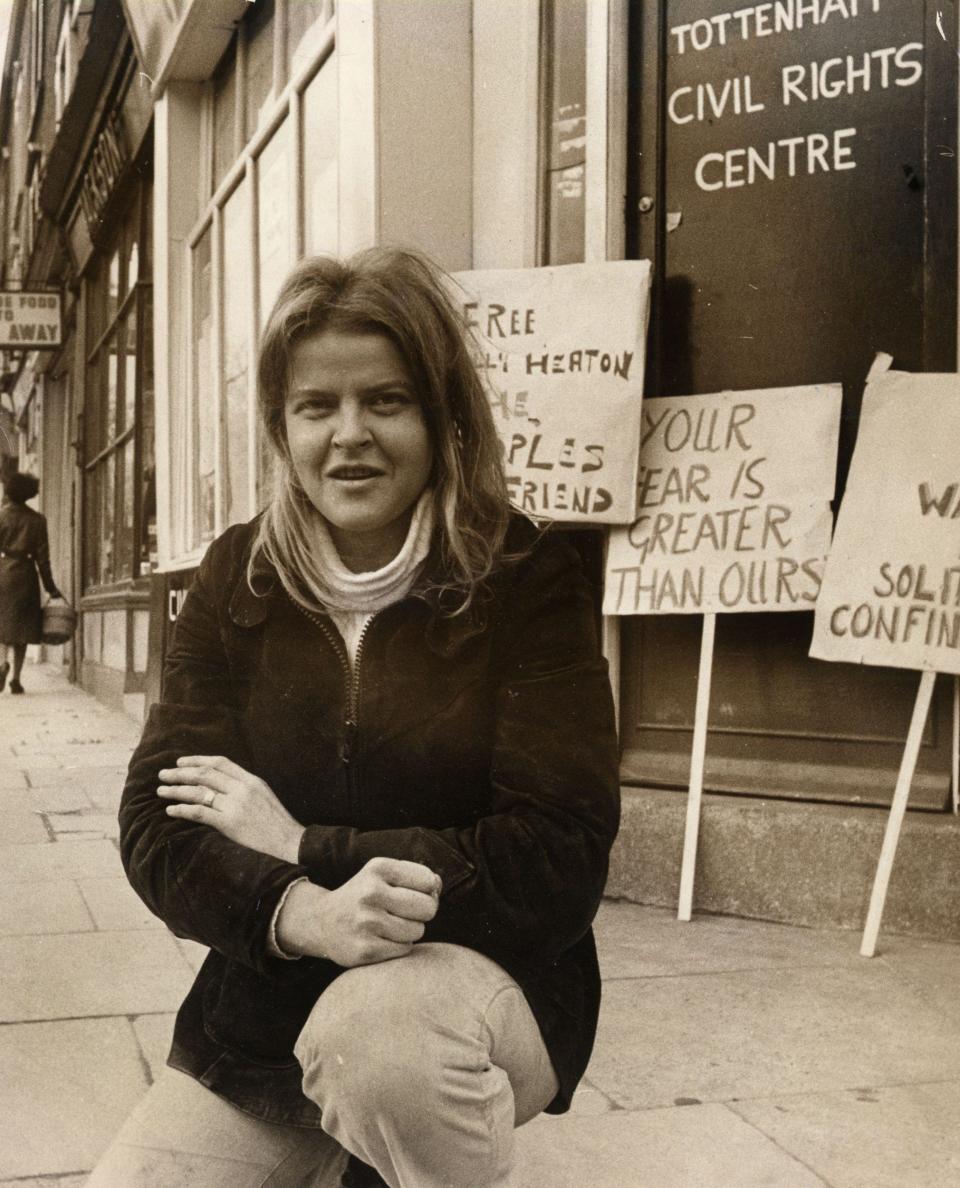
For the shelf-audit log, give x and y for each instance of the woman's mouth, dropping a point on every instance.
(353, 474)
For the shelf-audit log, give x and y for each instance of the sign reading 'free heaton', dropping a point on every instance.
(734, 501)
(561, 351)
(891, 592)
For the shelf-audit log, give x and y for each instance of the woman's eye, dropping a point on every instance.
(389, 402)
(313, 407)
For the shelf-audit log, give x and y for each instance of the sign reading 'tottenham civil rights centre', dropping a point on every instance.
(891, 591)
(733, 508)
(561, 350)
(29, 320)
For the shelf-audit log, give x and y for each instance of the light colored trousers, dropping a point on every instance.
(421, 1066)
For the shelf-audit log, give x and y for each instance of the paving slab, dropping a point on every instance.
(724, 1036)
(154, 1033)
(65, 1088)
(115, 905)
(100, 824)
(94, 973)
(899, 1137)
(88, 859)
(64, 798)
(19, 826)
(651, 942)
(695, 1147)
(41, 908)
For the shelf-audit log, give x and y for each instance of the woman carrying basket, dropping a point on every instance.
(24, 553)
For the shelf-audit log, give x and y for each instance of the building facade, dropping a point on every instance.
(790, 169)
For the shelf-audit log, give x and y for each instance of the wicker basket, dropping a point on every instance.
(59, 622)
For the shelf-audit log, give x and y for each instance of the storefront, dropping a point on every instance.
(98, 393)
(789, 168)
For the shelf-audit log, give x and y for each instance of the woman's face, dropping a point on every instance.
(358, 440)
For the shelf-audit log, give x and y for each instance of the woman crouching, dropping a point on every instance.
(381, 785)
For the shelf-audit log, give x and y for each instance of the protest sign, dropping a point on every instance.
(891, 591)
(562, 351)
(733, 515)
(733, 504)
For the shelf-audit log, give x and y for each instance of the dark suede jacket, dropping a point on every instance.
(482, 746)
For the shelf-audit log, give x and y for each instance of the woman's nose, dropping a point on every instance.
(351, 429)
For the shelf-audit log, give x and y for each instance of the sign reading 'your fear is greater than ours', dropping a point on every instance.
(891, 592)
(733, 510)
(561, 351)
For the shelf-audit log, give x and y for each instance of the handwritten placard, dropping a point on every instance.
(891, 591)
(733, 504)
(562, 354)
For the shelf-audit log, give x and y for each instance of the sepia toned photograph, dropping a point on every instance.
(479, 594)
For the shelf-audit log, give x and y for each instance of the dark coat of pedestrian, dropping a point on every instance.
(24, 563)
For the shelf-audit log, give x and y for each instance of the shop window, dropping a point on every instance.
(235, 418)
(260, 32)
(275, 199)
(225, 114)
(120, 507)
(202, 436)
(320, 172)
(564, 71)
(303, 17)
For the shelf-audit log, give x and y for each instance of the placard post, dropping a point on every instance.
(898, 807)
(698, 755)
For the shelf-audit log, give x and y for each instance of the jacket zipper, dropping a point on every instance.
(351, 680)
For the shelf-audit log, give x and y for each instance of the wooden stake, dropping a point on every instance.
(955, 765)
(695, 795)
(897, 808)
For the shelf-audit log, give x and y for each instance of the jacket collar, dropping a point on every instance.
(445, 634)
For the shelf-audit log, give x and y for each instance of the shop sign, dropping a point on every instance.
(105, 164)
(733, 507)
(891, 591)
(561, 351)
(29, 320)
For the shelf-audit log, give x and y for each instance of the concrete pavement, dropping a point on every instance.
(731, 1053)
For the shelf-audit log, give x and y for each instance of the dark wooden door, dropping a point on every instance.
(795, 183)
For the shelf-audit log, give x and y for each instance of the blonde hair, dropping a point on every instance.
(401, 294)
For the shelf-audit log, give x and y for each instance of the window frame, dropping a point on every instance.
(317, 49)
(100, 447)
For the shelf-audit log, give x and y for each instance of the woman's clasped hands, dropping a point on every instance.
(377, 915)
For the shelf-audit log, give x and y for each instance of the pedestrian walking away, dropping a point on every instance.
(381, 783)
(24, 554)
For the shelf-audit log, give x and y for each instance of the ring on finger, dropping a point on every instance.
(210, 797)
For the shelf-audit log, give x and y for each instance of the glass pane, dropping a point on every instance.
(91, 504)
(301, 15)
(130, 369)
(260, 28)
(106, 504)
(148, 468)
(565, 50)
(126, 464)
(204, 458)
(225, 114)
(237, 320)
(109, 423)
(273, 225)
(320, 161)
(113, 287)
